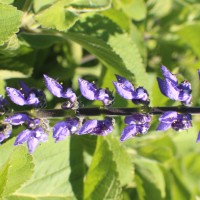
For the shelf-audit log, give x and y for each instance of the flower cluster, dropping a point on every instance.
(37, 129)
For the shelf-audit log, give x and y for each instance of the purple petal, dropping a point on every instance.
(168, 89)
(23, 137)
(137, 118)
(168, 117)
(198, 137)
(32, 99)
(88, 127)
(104, 95)
(141, 94)
(53, 86)
(88, 90)
(60, 131)
(16, 96)
(69, 94)
(125, 82)
(17, 119)
(168, 75)
(199, 73)
(123, 91)
(32, 143)
(163, 126)
(2, 137)
(128, 132)
(24, 88)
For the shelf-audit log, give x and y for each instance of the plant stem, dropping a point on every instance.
(96, 111)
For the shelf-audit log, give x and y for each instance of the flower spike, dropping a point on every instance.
(170, 87)
(91, 92)
(126, 90)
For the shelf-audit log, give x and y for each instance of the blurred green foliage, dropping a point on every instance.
(96, 39)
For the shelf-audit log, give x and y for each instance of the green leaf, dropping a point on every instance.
(135, 9)
(10, 21)
(40, 40)
(102, 178)
(124, 166)
(16, 171)
(7, 1)
(102, 37)
(152, 179)
(190, 35)
(58, 172)
(57, 17)
(94, 5)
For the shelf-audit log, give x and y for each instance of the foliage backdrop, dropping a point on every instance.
(96, 39)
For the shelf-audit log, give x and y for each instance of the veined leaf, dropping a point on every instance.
(56, 169)
(57, 17)
(16, 171)
(10, 21)
(102, 178)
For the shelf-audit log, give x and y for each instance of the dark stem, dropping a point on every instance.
(96, 111)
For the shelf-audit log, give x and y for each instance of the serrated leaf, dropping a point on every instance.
(16, 171)
(102, 178)
(56, 169)
(10, 21)
(57, 17)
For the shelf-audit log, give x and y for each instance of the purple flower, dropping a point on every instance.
(198, 137)
(199, 73)
(170, 87)
(97, 127)
(5, 131)
(17, 119)
(174, 120)
(137, 123)
(57, 90)
(26, 96)
(65, 128)
(32, 137)
(91, 92)
(126, 90)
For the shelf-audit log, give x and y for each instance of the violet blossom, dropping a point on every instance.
(126, 90)
(137, 124)
(91, 92)
(174, 120)
(97, 127)
(65, 128)
(170, 87)
(57, 90)
(26, 95)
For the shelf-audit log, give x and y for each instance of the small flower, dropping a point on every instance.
(198, 137)
(26, 96)
(57, 90)
(137, 123)
(91, 92)
(17, 119)
(5, 131)
(65, 128)
(176, 121)
(97, 127)
(170, 87)
(126, 90)
(32, 137)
